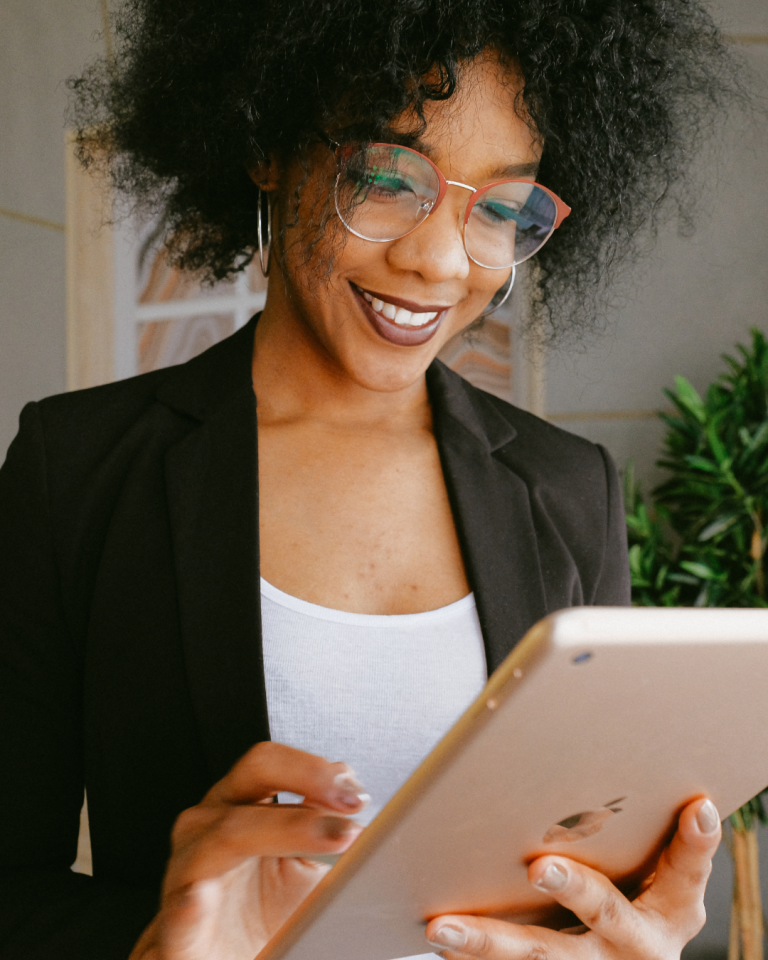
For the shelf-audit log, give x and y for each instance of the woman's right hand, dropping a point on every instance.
(236, 871)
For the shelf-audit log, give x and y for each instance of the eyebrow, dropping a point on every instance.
(511, 172)
(516, 170)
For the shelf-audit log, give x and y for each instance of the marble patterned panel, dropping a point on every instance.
(160, 281)
(163, 343)
(484, 357)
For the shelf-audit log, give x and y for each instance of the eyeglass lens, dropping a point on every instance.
(385, 191)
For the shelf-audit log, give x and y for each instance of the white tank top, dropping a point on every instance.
(377, 692)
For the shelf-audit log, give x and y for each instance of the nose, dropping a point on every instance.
(435, 249)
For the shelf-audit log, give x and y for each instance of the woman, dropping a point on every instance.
(408, 528)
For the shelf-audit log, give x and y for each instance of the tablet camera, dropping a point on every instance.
(582, 657)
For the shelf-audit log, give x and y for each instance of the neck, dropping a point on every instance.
(296, 377)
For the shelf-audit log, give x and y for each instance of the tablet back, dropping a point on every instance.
(587, 741)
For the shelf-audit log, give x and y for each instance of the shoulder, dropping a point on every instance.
(548, 452)
(543, 454)
(79, 432)
(82, 426)
(572, 492)
(101, 410)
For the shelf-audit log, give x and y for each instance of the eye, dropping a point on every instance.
(380, 184)
(387, 185)
(496, 211)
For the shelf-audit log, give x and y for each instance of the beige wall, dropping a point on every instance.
(690, 302)
(41, 43)
(694, 299)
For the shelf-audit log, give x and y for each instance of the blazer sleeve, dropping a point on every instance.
(614, 586)
(46, 911)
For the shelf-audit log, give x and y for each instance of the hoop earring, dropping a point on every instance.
(264, 266)
(493, 307)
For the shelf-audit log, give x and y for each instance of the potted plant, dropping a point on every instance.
(701, 541)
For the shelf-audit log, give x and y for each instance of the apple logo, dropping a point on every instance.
(581, 825)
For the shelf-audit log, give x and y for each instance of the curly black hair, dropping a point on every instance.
(621, 91)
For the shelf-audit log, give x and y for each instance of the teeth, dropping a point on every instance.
(400, 315)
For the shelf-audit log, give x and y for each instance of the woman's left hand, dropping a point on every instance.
(655, 926)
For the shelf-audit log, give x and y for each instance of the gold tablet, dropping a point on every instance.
(587, 741)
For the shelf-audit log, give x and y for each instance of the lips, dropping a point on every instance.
(406, 334)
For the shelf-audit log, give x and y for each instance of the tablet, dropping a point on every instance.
(587, 741)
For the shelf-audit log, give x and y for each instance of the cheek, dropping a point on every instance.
(309, 233)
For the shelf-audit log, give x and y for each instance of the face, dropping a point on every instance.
(476, 137)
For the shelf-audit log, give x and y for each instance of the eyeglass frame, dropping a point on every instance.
(562, 208)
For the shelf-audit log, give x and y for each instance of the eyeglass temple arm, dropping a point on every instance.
(331, 144)
(563, 210)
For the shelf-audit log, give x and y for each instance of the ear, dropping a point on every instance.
(265, 174)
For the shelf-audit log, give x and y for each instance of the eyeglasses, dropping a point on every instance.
(384, 191)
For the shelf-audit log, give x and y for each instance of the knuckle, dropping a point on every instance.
(698, 917)
(481, 942)
(188, 825)
(605, 912)
(230, 828)
(537, 951)
(697, 877)
(262, 752)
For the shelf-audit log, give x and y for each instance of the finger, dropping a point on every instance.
(208, 842)
(270, 768)
(685, 865)
(592, 897)
(467, 936)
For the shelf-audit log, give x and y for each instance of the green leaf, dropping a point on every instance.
(683, 578)
(700, 570)
(690, 399)
(635, 561)
(759, 438)
(720, 525)
(700, 463)
(721, 454)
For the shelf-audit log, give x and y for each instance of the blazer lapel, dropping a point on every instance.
(492, 511)
(211, 478)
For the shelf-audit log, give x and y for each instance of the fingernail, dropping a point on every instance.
(449, 935)
(350, 793)
(553, 878)
(708, 819)
(335, 828)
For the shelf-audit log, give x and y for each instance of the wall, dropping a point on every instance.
(41, 43)
(691, 301)
(697, 296)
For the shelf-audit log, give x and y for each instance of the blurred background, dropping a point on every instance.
(82, 303)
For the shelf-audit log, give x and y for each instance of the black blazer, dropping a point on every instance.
(130, 643)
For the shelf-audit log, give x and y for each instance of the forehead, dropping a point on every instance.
(479, 132)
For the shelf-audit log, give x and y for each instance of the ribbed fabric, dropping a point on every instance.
(377, 692)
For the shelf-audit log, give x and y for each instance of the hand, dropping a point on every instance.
(236, 872)
(655, 926)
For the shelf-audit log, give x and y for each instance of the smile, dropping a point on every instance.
(399, 315)
(399, 321)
